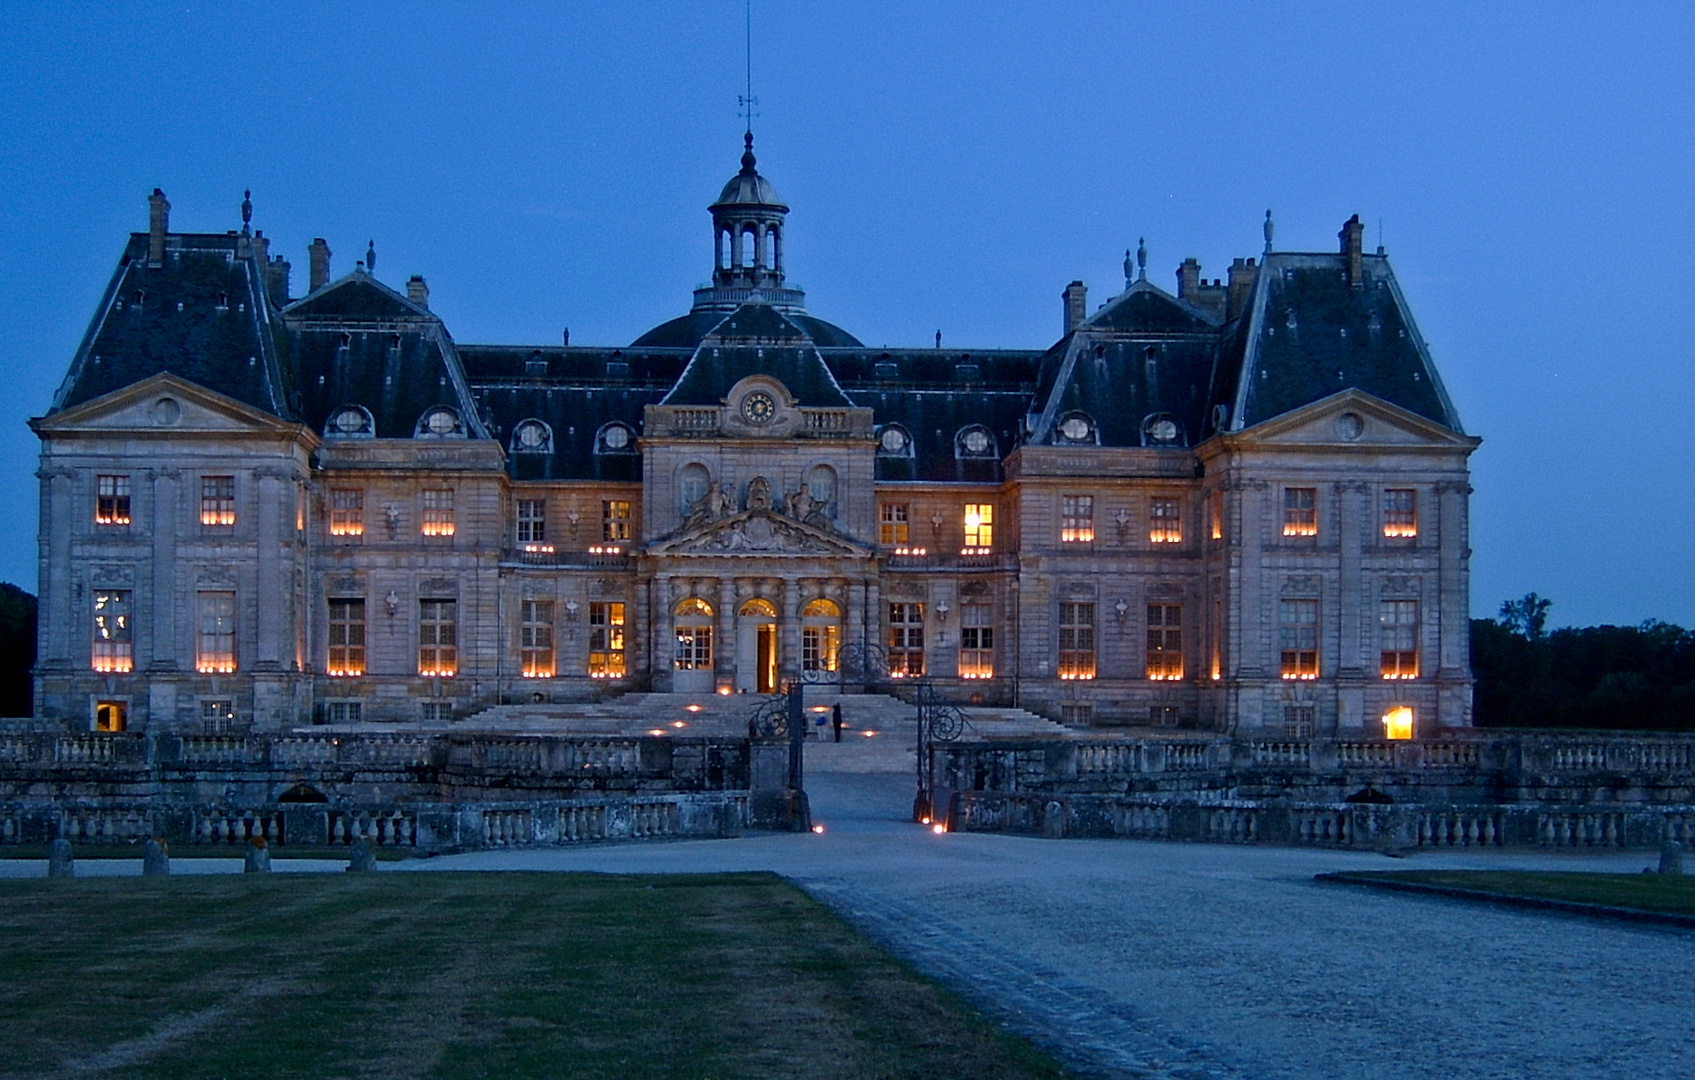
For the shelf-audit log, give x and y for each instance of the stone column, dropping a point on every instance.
(725, 658)
(62, 618)
(1452, 609)
(1350, 593)
(164, 600)
(788, 630)
(267, 656)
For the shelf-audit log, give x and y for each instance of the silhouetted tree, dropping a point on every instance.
(17, 651)
(1527, 615)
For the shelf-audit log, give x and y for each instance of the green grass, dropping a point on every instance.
(706, 977)
(1639, 892)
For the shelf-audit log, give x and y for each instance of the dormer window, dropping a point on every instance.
(894, 442)
(350, 422)
(532, 437)
(1161, 429)
(974, 441)
(615, 439)
(1076, 428)
(440, 422)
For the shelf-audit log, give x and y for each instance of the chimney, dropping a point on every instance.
(1243, 274)
(417, 291)
(158, 221)
(318, 272)
(1353, 237)
(1076, 297)
(276, 280)
(1188, 279)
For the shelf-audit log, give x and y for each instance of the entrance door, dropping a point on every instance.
(820, 635)
(757, 650)
(692, 663)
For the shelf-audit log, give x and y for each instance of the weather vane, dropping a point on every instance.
(747, 101)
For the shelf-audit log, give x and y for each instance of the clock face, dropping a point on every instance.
(758, 408)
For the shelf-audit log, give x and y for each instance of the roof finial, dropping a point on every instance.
(748, 160)
(246, 209)
(1129, 268)
(1270, 227)
(1141, 258)
(370, 256)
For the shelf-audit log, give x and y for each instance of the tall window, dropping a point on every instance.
(347, 637)
(694, 636)
(114, 648)
(976, 641)
(606, 641)
(217, 500)
(614, 520)
(347, 512)
(1165, 521)
(1398, 623)
(1400, 512)
(906, 640)
(438, 637)
(692, 484)
(1299, 721)
(979, 528)
(535, 640)
(821, 635)
(1165, 641)
(532, 521)
(1077, 519)
(111, 500)
(1076, 641)
(892, 528)
(215, 654)
(438, 512)
(1215, 515)
(1300, 511)
(1297, 635)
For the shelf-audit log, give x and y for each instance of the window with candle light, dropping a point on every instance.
(438, 637)
(347, 512)
(1398, 626)
(1165, 520)
(535, 639)
(1400, 513)
(1300, 511)
(1076, 641)
(606, 640)
(111, 500)
(614, 519)
(215, 651)
(906, 640)
(217, 501)
(976, 641)
(346, 637)
(1077, 519)
(114, 646)
(438, 512)
(1165, 641)
(892, 526)
(979, 521)
(1297, 632)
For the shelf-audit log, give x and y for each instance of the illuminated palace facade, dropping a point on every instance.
(1239, 506)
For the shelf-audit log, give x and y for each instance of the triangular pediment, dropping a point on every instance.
(163, 404)
(358, 297)
(1146, 308)
(762, 533)
(1354, 418)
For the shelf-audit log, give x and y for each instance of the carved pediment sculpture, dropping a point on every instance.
(758, 532)
(759, 494)
(715, 505)
(803, 507)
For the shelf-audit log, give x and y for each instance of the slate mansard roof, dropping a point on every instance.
(1148, 368)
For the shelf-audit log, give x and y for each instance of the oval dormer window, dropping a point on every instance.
(440, 423)
(532, 437)
(1161, 429)
(895, 441)
(616, 439)
(350, 422)
(1077, 428)
(975, 441)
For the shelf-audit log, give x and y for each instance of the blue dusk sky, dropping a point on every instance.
(950, 166)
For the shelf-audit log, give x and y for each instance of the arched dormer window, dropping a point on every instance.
(615, 438)
(350, 422)
(692, 482)
(894, 441)
(1077, 429)
(975, 441)
(1162, 429)
(532, 437)
(821, 484)
(440, 422)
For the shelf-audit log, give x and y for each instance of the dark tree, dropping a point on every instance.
(17, 651)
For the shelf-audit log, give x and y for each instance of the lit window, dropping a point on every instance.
(215, 654)
(111, 500)
(694, 636)
(821, 636)
(1165, 641)
(1398, 620)
(1076, 641)
(1077, 519)
(438, 512)
(906, 640)
(114, 648)
(217, 500)
(111, 715)
(979, 528)
(606, 641)
(1165, 521)
(893, 527)
(614, 519)
(1398, 723)
(976, 641)
(438, 637)
(347, 512)
(1215, 514)
(1400, 512)
(532, 521)
(1298, 721)
(1297, 633)
(347, 638)
(535, 641)
(1300, 511)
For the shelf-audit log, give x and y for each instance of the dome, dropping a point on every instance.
(748, 188)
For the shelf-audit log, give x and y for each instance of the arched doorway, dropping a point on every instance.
(756, 648)
(692, 663)
(820, 635)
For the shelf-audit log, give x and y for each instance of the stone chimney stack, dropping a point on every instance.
(1076, 297)
(417, 291)
(1353, 240)
(1243, 274)
(318, 265)
(1188, 279)
(158, 223)
(277, 273)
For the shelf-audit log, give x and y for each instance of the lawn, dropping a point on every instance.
(703, 977)
(1640, 892)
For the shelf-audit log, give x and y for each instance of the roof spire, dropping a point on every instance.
(246, 209)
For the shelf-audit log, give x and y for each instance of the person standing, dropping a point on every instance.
(836, 720)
